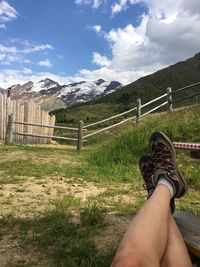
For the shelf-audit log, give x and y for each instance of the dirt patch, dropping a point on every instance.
(122, 198)
(19, 155)
(112, 234)
(13, 255)
(35, 196)
(12, 156)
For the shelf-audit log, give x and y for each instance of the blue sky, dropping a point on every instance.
(73, 40)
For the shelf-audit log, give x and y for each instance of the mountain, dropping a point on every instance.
(175, 76)
(51, 95)
(85, 91)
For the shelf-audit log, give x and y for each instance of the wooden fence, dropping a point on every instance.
(24, 112)
(45, 127)
(169, 101)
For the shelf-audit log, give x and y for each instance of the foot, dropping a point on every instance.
(164, 157)
(147, 166)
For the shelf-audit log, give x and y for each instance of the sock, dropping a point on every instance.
(164, 181)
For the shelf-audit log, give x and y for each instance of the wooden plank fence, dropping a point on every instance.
(24, 112)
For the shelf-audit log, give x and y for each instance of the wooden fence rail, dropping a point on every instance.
(110, 118)
(187, 87)
(154, 100)
(11, 132)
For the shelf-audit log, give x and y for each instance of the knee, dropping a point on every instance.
(124, 259)
(130, 259)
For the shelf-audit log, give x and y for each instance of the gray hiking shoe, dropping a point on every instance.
(164, 157)
(147, 167)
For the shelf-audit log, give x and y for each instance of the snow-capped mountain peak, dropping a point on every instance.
(48, 90)
(44, 85)
(85, 91)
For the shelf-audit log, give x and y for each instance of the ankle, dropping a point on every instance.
(167, 184)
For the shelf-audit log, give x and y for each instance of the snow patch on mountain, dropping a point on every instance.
(44, 85)
(85, 88)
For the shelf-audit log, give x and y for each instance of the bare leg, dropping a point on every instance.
(176, 253)
(146, 238)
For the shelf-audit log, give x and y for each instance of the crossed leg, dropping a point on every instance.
(153, 239)
(176, 253)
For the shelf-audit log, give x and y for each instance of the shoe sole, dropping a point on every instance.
(164, 137)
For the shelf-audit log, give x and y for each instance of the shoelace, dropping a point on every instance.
(147, 172)
(162, 156)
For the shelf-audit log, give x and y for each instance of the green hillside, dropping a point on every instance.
(178, 75)
(117, 159)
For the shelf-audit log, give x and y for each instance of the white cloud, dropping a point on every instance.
(6, 49)
(7, 13)
(16, 53)
(8, 55)
(26, 61)
(100, 60)
(2, 26)
(94, 3)
(110, 74)
(119, 6)
(122, 5)
(27, 71)
(10, 77)
(46, 63)
(97, 3)
(37, 48)
(95, 28)
(24, 47)
(167, 34)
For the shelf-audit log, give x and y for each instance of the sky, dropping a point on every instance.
(75, 40)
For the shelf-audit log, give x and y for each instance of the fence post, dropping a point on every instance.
(169, 99)
(80, 136)
(9, 132)
(138, 110)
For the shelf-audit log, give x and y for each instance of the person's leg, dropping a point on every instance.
(145, 240)
(176, 253)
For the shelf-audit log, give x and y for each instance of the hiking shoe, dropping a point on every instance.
(164, 157)
(147, 166)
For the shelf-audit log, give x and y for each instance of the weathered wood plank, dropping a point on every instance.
(25, 112)
(1, 116)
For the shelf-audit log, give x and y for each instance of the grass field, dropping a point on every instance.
(60, 208)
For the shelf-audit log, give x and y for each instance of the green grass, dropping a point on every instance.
(67, 235)
(118, 160)
(26, 167)
(64, 239)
